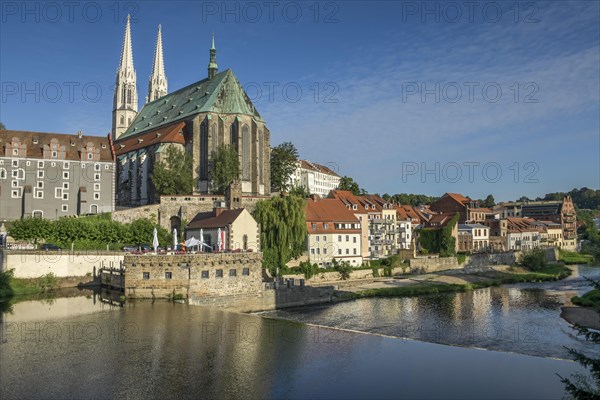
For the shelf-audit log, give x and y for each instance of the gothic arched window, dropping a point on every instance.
(260, 157)
(233, 136)
(214, 136)
(246, 161)
(204, 151)
(122, 120)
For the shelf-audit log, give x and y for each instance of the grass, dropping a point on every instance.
(571, 257)
(590, 299)
(15, 287)
(552, 272)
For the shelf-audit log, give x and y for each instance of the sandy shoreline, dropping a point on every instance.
(583, 316)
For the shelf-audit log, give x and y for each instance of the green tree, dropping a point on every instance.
(282, 230)
(224, 167)
(300, 191)
(30, 229)
(347, 183)
(173, 175)
(489, 201)
(283, 165)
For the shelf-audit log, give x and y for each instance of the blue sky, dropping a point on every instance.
(509, 92)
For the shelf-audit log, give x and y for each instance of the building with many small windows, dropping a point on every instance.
(333, 232)
(317, 179)
(53, 175)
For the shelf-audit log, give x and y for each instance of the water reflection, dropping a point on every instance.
(522, 318)
(78, 348)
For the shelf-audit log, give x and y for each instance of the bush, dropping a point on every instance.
(47, 283)
(375, 272)
(309, 270)
(461, 258)
(344, 268)
(534, 260)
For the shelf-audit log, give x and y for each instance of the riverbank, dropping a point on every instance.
(586, 317)
(11, 287)
(456, 281)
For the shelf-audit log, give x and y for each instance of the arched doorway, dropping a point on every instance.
(175, 223)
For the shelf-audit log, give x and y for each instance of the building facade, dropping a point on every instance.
(317, 179)
(53, 175)
(196, 119)
(334, 232)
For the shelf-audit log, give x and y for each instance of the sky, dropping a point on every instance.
(404, 97)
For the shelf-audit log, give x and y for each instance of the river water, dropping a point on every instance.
(80, 347)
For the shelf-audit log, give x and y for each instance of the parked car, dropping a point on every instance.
(129, 249)
(145, 247)
(49, 247)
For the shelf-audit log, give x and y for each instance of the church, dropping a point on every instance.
(197, 119)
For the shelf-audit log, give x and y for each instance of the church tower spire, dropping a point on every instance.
(125, 103)
(212, 64)
(157, 86)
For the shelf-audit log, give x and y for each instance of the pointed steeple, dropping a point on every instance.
(126, 64)
(157, 85)
(125, 103)
(212, 64)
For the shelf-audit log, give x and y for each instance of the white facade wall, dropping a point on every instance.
(324, 247)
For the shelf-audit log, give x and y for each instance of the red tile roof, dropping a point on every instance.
(165, 134)
(207, 220)
(458, 198)
(72, 144)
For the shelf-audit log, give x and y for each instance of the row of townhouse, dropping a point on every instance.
(356, 228)
(317, 179)
(508, 226)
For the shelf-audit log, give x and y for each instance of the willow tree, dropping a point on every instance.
(282, 230)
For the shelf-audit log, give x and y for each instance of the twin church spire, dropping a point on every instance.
(125, 103)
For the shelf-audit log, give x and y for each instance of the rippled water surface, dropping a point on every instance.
(521, 318)
(79, 347)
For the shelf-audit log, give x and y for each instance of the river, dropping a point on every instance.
(80, 347)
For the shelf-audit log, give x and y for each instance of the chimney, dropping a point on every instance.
(218, 211)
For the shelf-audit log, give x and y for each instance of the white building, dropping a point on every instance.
(333, 232)
(477, 234)
(317, 179)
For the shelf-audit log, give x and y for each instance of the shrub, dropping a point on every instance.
(344, 268)
(47, 282)
(534, 260)
(309, 270)
(375, 272)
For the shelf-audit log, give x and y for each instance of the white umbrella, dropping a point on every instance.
(192, 242)
(219, 242)
(175, 239)
(202, 240)
(155, 241)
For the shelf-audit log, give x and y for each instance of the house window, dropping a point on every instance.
(39, 194)
(15, 184)
(246, 271)
(233, 272)
(37, 214)
(2, 173)
(65, 208)
(324, 238)
(40, 164)
(347, 251)
(219, 273)
(65, 174)
(312, 251)
(314, 226)
(96, 196)
(40, 174)
(204, 275)
(339, 238)
(96, 167)
(65, 165)
(107, 167)
(168, 275)
(146, 275)
(96, 177)
(354, 239)
(65, 196)
(54, 154)
(347, 238)
(324, 251)
(58, 193)
(96, 187)
(90, 156)
(15, 152)
(326, 226)
(40, 184)
(15, 163)
(66, 185)
(354, 251)
(15, 193)
(316, 237)
(318, 250)
(339, 251)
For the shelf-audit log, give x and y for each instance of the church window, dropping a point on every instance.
(203, 151)
(246, 162)
(214, 137)
(260, 157)
(233, 136)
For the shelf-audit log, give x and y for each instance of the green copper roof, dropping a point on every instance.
(223, 94)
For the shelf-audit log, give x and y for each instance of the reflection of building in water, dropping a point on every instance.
(53, 309)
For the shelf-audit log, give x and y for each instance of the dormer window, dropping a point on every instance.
(54, 154)
(90, 156)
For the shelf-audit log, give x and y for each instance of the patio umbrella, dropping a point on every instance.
(223, 240)
(192, 242)
(155, 241)
(202, 240)
(175, 239)
(219, 243)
